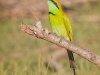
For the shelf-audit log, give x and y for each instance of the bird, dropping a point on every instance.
(61, 26)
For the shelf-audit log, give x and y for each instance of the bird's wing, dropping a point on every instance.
(68, 26)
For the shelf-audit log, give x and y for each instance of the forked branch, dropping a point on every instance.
(45, 34)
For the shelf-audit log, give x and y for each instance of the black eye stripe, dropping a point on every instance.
(52, 13)
(54, 3)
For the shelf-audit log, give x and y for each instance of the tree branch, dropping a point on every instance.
(45, 34)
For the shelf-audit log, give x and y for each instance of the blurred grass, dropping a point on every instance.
(18, 50)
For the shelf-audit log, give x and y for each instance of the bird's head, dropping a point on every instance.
(54, 4)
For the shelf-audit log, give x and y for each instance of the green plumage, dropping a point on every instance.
(59, 21)
(61, 26)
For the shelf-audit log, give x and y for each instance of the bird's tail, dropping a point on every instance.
(71, 61)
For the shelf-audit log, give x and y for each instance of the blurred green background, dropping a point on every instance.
(22, 54)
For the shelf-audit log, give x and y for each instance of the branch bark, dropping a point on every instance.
(45, 34)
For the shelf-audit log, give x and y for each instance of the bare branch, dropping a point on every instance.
(45, 34)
